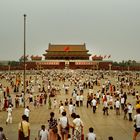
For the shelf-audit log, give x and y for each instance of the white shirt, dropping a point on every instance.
(30, 96)
(61, 109)
(105, 104)
(111, 99)
(118, 92)
(9, 110)
(77, 98)
(64, 121)
(26, 112)
(70, 108)
(97, 95)
(122, 100)
(44, 134)
(103, 86)
(77, 123)
(81, 97)
(54, 103)
(49, 87)
(117, 104)
(81, 87)
(137, 118)
(130, 108)
(74, 94)
(94, 102)
(91, 136)
(108, 97)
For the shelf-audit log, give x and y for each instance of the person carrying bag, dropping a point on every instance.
(64, 126)
(24, 129)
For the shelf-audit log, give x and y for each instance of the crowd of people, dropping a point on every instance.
(77, 87)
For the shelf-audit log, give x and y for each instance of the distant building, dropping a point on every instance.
(97, 58)
(36, 58)
(66, 52)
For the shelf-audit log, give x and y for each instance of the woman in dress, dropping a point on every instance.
(78, 128)
(53, 131)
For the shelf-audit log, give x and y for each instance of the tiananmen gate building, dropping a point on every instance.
(72, 56)
(67, 52)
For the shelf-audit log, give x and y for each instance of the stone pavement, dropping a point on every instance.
(104, 126)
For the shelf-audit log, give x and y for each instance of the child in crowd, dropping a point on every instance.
(43, 133)
(110, 138)
(91, 135)
(2, 135)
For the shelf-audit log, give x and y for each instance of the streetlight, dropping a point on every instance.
(24, 74)
(110, 65)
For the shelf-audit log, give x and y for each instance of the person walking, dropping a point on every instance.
(52, 127)
(9, 115)
(105, 108)
(94, 103)
(125, 112)
(70, 108)
(91, 135)
(64, 126)
(117, 105)
(137, 124)
(24, 129)
(78, 127)
(27, 113)
(49, 103)
(2, 135)
(81, 99)
(43, 133)
(77, 100)
(61, 108)
(130, 110)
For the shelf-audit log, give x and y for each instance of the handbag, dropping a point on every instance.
(67, 127)
(82, 136)
(135, 126)
(21, 133)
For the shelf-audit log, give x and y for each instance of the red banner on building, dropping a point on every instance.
(66, 49)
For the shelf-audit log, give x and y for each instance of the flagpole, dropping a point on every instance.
(24, 74)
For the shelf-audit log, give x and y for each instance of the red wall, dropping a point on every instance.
(102, 65)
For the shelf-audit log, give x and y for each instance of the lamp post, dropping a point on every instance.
(97, 66)
(24, 74)
(128, 68)
(110, 65)
(9, 67)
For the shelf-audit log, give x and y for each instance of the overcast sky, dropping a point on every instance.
(106, 26)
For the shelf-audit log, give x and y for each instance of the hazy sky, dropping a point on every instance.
(106, 26)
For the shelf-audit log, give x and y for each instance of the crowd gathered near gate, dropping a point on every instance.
(109, 91)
